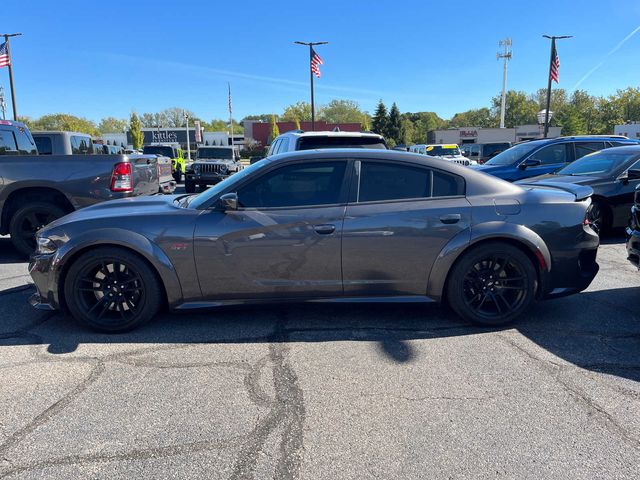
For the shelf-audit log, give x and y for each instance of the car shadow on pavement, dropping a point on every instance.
(597, 331)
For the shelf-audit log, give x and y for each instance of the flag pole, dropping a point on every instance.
(313, 108)
(13, 92)
(230, 115)
(551, 60)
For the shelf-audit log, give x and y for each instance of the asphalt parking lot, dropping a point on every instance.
(313, 391)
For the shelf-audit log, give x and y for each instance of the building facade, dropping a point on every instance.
(631, 130)
(174, 135)
(490, 135)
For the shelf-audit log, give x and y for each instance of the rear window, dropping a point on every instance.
(158, 150)
(81, 145)
(312, 143)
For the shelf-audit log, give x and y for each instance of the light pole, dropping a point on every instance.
(186, 118)
(554, 55)
(506, 56)
(313, 111)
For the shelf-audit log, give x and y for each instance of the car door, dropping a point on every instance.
(620, 195)
(283, 240)
(397, 222)
(549, 159)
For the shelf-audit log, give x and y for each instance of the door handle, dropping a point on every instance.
(450, 218)
(324, 229)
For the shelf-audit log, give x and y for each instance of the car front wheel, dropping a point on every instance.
(492, 284)
(112, 290)
(26, 222)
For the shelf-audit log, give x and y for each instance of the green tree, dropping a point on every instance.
(263, 117)
(394, 125)
(407, 132)
(112, 125)
(274, 131)
(341, 111)
(520, 109)
(63, 121)
(366, 123)
(297, 124)
(137, 138)
(380, 119)
(299, 110)
(478, 117)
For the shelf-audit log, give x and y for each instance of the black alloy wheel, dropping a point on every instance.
(26, 222)
(597, 217)
(492, 284)
(112, 290)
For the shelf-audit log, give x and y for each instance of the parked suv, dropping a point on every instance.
(174, 152)
(481, 152)
(539, 157)
(212, 165)
(450, 152)
(299, 140)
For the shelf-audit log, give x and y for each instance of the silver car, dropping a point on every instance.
(324, 225)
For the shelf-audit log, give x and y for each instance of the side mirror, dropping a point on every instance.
(228, 201)
(632, 174)
(529, 162)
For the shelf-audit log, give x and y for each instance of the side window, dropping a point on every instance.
(284, 145)
(585, 148)
(298, 185)
(7, 143)
(552, 154)
(44, 145)
(474, 151)
(26, 145)
(274, 147)
(80, 145)
(385, 181)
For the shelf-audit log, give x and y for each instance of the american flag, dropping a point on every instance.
(555, 65)
(316, 61)
(4, 55)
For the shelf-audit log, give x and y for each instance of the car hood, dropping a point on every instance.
(126, 207)
(550, 178)
(493, 168)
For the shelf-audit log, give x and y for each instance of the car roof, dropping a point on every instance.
(330, 133)
(58, 132)
(629, 149)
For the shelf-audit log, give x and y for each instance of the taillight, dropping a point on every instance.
(121, 178)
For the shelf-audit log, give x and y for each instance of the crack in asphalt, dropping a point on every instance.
(555, 370)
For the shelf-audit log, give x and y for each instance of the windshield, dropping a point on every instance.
(223, 153)
(443, 150)
(208, 194)
(158, 150)
(598, 163)
(513, 154)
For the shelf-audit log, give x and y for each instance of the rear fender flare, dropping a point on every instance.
(496, 230)
(130, 240)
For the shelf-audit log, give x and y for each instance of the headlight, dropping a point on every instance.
(196, 168)
(45, 246)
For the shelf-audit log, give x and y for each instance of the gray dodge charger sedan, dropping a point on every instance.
(324, 225)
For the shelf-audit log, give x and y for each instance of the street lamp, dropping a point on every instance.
(543, 118)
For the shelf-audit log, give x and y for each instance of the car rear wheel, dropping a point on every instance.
(598, 216)
(112, 290)
(26, 222)
(492, 284)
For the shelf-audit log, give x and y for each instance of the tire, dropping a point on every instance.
(189, 186)
(112, 290)
(598, 217)
(28, 220)
(491, 284)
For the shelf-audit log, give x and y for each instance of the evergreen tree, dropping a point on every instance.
(394, 126)
(137, 138)
(366, 123)
(275, 131)
(380, 119)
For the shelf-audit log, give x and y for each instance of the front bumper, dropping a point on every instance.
(205, 178)
(42, 269)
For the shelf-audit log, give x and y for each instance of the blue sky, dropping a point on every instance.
(107, 58)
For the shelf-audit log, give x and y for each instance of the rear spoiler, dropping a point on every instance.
(581, 192)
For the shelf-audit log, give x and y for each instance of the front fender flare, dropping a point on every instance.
(133, 241)
(496, 230)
